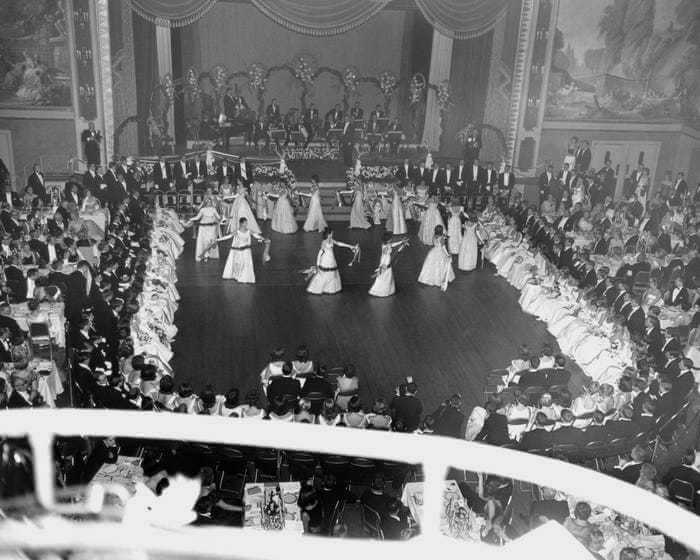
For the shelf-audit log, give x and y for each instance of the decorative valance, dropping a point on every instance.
(457, 19)
(462, 19)
(320, 17)
(172, 13)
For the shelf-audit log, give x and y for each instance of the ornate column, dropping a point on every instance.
(165, 66)
(71, 20)
(440, 65)
(533, 96)
(103, 74)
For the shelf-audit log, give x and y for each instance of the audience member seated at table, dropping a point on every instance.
(374, 497)
(311, 511)
(548, 508)
(448, 419)
(348, 386)
(629, 470)
(251, 407)
(394, 525)
(678, 296)
(355, 416)
(273, 368)
(379, 418)
(303, 413)
(686, 471)
(578, 525)
(23, 395)
(302, 365)
(317, 383)
(540, 437)
(518, 414)
(495, 429)
(533, 377)
(284, 384)
(407, 408)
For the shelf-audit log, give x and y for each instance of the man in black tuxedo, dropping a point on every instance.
(506, 182)
(539, 437)
(475, 183)
(334, 118)
(91, 140)
(420, 174)
(680, 189)
(283, 385)
(405, 171)
(10, 221)
(15, 279)
(36, 181)
(635, 317)
(182, 173)
(356, 113)
(22, 395)
(623, 426)
(607, 179)
(490, 179)
(273, 113)
(92, 180)
(546, 180)
(6, 320)
(583, 156)
(244, 172)
(10, 197)
(566, 433)
(495, 430)
(225, 170)
(686, 471)
(565, 176)
(678, 296)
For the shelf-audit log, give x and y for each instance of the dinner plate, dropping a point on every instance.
(289, 498)
(110, 469)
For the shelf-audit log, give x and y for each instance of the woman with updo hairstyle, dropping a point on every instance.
(437, 268)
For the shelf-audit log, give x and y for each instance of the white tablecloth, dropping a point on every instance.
(126, 471)
(254, 496)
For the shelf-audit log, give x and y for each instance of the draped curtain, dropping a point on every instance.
(320, 17)
(457, 19)
(462, 19)
(172, 13)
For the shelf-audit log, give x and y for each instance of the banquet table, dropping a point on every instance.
(54, 313)
(452, 499)
(126, 472)
(254, 495)
(48, 383)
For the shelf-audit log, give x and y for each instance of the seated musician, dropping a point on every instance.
(234, 104)
(356, 113)
(273, 114)
(311, 122)
(334, 118)
(378, 113)
(259, 133)
(374, 135)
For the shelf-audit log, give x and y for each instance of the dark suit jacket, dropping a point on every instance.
(495, 430)
(17, 401)
(283, 386)
(162, 179)
(401, 172)
(11, 324)
(530, 378)
(684, 472)
(38, 187)
(556, 510)
(629, 473)
(536, 439)
(682, 298)
(568, 434)
(17, 282)
(502, 181)
(635, 321)
(475, 184)
(583, 159)
(317, 385)
(621, 428)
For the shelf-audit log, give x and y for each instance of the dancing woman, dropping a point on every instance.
(239, 264)
(283, 220)
(396, 221)
(314, 219)
(241, 209)
(437, 269)
(383, 285)
(358, 219)
(469, 247)
(207, 232)
(326, 278)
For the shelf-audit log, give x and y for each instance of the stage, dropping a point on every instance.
(448, 341)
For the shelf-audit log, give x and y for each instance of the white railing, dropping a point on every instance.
(435, 453)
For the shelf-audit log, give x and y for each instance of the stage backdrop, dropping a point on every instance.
(237, 35)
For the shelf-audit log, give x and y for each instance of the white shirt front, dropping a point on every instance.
(475, 172)
(30, 288)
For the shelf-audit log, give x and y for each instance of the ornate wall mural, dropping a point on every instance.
(636, 60)
(34, 54)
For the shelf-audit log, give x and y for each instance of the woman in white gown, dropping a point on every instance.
(454, 229)
(430, 219)
(437, 269)
(469, 248)
(358, 217)
(207, 231)
(383, 285)
(396, 222)
(314, 219)
(326, 278)
(239, 264)
(283, 215)
(241, 209)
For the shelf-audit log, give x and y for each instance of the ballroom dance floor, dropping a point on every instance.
(448, 341)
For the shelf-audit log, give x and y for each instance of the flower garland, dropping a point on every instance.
(268, 173)
(378, 173)
(312, 152)
(303, 66)
(444, 95)
(387, 83)
(256, 78)
(350, 82)
(219, 76)
(416, 87)
(168, 87)
(192, 81)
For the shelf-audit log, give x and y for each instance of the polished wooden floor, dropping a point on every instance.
(447, 341)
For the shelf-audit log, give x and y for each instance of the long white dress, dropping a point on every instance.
(327, 278)
(468, 249)
(358, 219)
(239, 264)
(384, 285)
(437, 269)
(430, 218)
(454, 230)
(241, 209)
(396, 222)
(283, 215)
(207, 233)
(314, 219)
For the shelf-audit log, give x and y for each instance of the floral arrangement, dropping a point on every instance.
(350, 75)
(268, 173)
(388, 83)
(313, 152)
(416, 87)
(378, 173)
(303, 67)
(256, 77)
(168, 86)
(219, 76)
(192, 81)
(444, 95)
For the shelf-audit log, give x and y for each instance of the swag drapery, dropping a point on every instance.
(457, 19)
